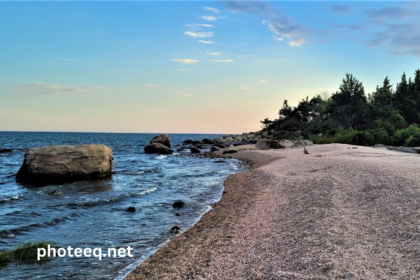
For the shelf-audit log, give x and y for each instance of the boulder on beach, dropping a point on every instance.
(158, 148)
(162, 139)
(62, 164)
(265, 144)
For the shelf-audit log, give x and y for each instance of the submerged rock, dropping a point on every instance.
(175, 229)
(161, 139)
(178, 204)
(62, 164)
(3, 151)
(157, 148)
(131, 209)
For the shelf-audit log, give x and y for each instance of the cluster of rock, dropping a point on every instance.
(160, 144)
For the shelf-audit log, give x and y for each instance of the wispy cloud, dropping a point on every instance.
(215, 53)
(222, 60)
(392, 13)
(277, 23)
(183, 93)
(185, 60)
(297, 42)
(209, 18)
(56, 88)
(206, 42)
(199, 34)
(195, 25)
(150, 85)
(278, 38)
(214, 10)
(245, 87)
(264, 80)
(341, 8)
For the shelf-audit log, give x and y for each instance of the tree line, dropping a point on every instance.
(387, 116)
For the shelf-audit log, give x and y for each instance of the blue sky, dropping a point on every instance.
(199, 67)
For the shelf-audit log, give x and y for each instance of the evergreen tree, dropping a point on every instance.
(349, 103)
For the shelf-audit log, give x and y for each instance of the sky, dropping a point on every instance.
(191, 66)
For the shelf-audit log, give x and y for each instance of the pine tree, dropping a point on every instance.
(349, 103)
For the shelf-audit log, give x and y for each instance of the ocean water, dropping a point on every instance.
(92, 214)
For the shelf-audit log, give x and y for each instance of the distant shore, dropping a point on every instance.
(341, 212)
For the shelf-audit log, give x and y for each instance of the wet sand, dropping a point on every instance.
(337, 213)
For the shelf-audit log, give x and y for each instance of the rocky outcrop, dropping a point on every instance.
(214, 149)
(158, 148)
(162, 139)
(62, 164)
(208, 141)
(265, 144)
(188, 141)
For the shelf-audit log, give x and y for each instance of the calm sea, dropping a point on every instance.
(92, 214)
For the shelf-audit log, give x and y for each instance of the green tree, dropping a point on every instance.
(349, 103)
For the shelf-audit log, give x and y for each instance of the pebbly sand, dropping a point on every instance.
(337, 213)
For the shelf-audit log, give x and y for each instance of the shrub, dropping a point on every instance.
(24, 254)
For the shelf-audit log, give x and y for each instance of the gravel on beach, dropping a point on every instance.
(340, 212)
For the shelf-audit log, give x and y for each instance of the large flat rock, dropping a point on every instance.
(62, 164)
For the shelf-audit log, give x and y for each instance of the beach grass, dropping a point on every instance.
(25, 253)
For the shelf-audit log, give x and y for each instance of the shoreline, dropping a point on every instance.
(208, 220)
(337, 213)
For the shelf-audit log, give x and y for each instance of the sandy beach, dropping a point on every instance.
(341, 212)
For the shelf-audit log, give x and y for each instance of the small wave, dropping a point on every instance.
(7, 233)
(223, 171)
(15, 197)
(160, 157)
(112, 199)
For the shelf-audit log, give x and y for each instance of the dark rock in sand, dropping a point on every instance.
(175, 229)
(131, 209)
(252, 141)
(230, 152)
(194, 150)
(265, 144)
(178, 204)
(3, 151)
(214, 148)
(157, 148)
(162, 139)
(62, 164)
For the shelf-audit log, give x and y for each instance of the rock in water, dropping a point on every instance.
(178, 204)
(63, 164)
(157, 148)
(194, 150)
(162, 139)
(265, 144)
(3, 151)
